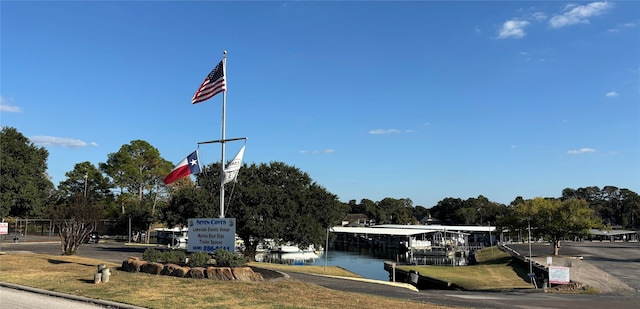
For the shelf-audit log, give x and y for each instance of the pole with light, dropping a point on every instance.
(529, 239)
(85, 184)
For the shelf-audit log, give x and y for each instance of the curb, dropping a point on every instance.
(99, 302)
(396, 284)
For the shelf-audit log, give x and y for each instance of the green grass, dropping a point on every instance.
(74, 275)
(494, 272)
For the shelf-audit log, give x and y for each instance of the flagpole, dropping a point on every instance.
(224, 108)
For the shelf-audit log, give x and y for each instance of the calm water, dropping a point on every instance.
(365, 265)
(368, 263)
(364, 262)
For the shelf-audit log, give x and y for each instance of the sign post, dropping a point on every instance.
(4, 230)
(210, 234)
(559, 275)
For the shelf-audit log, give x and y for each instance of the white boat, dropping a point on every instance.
(292, 249)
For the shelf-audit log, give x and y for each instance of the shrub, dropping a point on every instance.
(225, 258)
(173, 256)
(151, 255)
(198, 259)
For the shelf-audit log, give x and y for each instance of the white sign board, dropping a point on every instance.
(211, 234)
(559, 275)
(4, 228)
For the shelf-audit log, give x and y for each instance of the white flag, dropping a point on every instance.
(231, 170)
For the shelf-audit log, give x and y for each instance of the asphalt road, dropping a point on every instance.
(14, 298)
(626, 263)
(618, 259)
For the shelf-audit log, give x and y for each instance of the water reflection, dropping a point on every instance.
(291, 258)
(367, 262)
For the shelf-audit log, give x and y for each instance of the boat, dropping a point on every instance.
(292, 249)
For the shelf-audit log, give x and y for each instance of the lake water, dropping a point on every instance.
(365, 265)
(366, 262)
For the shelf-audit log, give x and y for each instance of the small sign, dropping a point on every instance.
(4, 228)
(559, 275)
(531, 275)
(210, 234)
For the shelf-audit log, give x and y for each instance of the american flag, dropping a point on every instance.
(212, 85)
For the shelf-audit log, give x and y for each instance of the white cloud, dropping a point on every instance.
(53, 141)
(323, 151)
(5, 106)
(384, 131)
(579, 14)
(539, 16)
(581, 151)
(513, 29)
(612, 94)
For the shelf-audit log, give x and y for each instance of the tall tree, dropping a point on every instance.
(24, 184)
(446, 210)
(80, 203)
(269, 201)
(138, 171)
(398, 211)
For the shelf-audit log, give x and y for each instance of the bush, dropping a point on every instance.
(151, 255)
(173, 256)
(198, 259)
(225, 258)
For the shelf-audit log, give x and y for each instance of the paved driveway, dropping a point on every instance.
(618, 259)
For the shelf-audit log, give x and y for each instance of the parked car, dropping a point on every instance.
(93, 238)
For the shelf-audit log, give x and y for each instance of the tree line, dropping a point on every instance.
(269, 200)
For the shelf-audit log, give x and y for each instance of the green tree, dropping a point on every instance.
(554, 219)
(138, 171)
(80, 202)
(398, 211)
(85, 178)
(371, 209)
(274, 201)
(281, 202)
(24, 184)
(446, 210)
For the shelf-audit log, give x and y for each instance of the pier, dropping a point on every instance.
(419, 244)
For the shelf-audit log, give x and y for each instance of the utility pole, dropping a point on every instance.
(85, 184)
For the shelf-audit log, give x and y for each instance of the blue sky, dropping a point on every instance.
(420, 100)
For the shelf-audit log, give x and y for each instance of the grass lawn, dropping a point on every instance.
(494, 271)
(74, 275)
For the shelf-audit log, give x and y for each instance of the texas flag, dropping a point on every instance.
(186, 167)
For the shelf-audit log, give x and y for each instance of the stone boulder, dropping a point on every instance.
(181, 272)
(246, 274)
(133, 264)
(172, 270)
(196, 272)
(153, 268)
(220, 273)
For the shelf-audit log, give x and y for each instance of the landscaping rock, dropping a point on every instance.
(211, 272)
(181, 272)
(245, 274)
(133, 264)
(153, 268)
(220, 273)
(196, 272)
(169, 269)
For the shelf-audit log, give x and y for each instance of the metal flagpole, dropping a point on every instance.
(224, 107)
